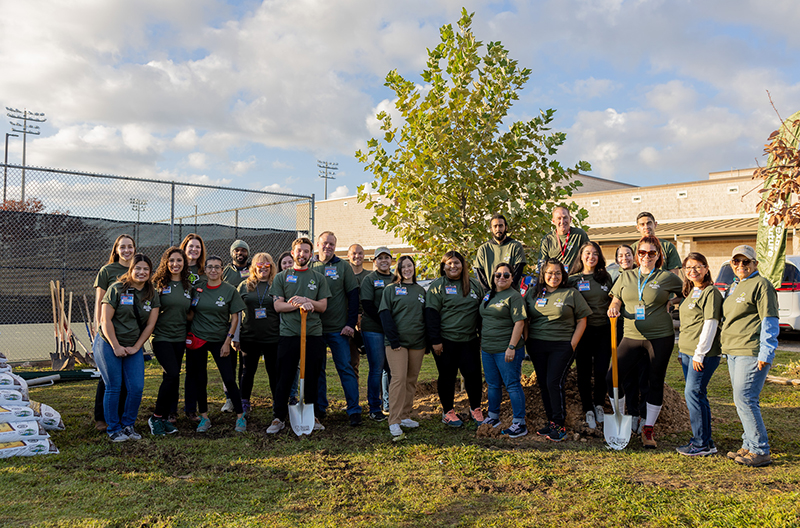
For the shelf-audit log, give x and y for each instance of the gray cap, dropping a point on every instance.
(746, 251)
(380, 251)
(239, 244)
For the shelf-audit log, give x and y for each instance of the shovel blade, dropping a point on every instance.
(617, 430)
(301, 415)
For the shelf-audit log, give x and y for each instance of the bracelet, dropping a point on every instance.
(511, 347)
(230, 335)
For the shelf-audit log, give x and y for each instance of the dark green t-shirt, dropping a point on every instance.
(695, 309)
(656, 291)
(491, 254)
(213, 308)
(359, 279)
(175, 303)
(746, 303)
(305, 283)
(339, 276)
(565, 248)
(234, 276)
(499, 315)
(459, 313)
(553, 316)
(260, 321)
(406, 303)
(195, 279)
(372, 287)
(109, 274)
(671, 258)
(595, 294)
(126, 327)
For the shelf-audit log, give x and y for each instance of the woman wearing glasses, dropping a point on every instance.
(749, 339)
(259, 331)
(502, 348)
(701, 312)
(641, 297)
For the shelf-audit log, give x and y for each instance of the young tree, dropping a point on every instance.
(451, 167)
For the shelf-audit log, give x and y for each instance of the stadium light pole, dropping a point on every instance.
(24, 128)
(5, 168)
(138, 206)
(325, 167)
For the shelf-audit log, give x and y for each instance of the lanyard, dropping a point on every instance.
(564, 247)
(641, 285)
(261, 297)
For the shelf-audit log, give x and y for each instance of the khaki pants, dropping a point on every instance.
(404, 365)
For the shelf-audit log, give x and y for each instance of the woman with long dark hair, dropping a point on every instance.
(128, 315)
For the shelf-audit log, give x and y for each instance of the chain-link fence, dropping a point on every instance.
(60, 225)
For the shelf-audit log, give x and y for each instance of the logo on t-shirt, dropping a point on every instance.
(559, 303)
(193, 277)
(421, 298)
(220, 301)
(312, 285)
(741, 298)
(146, 306)
(473, 294)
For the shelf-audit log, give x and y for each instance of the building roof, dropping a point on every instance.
(712, 228)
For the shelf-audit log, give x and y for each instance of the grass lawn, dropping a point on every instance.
(352, 477)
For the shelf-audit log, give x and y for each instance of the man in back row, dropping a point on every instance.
(646, 225)
(501, 248)
(564, 242)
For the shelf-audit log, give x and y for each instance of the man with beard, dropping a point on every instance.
(501, 248)
(564, 241)
(238, 270)
(646, 225)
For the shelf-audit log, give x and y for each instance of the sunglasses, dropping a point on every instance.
(651, 254)
(261, 265)
(505, 275)
(743, 262)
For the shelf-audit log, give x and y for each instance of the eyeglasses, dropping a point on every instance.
(214, 267)
(651, 254)
(694, 268)
(552, 273)
(505, 275)
(261, 265)
(743, 262)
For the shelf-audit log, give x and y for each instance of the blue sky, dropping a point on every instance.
(250, 94)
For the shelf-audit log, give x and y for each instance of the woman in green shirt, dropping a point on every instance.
(593, 354)
(195, 250)
(557, 315)
(171, 281)
(503, 349)
(699, 346)
(403, 319)
(641, 297)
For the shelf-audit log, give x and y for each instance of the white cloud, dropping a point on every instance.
(340, 192)
(243, 166)
(196, 160)
(590, 88)
(281, 165)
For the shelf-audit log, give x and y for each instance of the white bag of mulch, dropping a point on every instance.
(16, 431)
(50, 418)
(23, 413)
(9, 380)
(5, 367)
(13, 397)
(3, 359)
(41, 446)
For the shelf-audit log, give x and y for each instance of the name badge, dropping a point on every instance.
(261, 313)
(401, 290)
(331, 272)
(195, 301)
(486, 297)
(126, 299)
(584, 285)
(168, 289)
(450, 290)
(696, 293)
(378, 283)
(640, 312)
(291, 278)
(541, 302)
(244, 273)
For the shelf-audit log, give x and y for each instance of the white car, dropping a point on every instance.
(788, 293)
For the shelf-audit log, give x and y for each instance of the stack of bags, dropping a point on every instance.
(24, 423)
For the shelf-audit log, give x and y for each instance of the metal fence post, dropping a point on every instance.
(172, 216)
(313, 206)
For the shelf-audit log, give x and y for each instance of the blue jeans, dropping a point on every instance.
(376, 357)
(747, 382)
(697, 397)
(340, 350)
(498, 373)
(114, 370)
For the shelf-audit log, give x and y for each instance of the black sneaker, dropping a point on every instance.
(544, 431)
(557, 432)
(377, 416)
(355, 419)
(515, 431)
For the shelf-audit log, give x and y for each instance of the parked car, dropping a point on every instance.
(788, 293)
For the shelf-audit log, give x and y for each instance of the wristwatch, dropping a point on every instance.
(511, 347)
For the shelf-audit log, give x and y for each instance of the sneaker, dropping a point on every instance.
(228, 407)
(753, 460)
(515, 431)
(355, 419)
(168, 427)
(318, 426)
(544, 431)
(241, 424)
(100, 425)
(131, 434)
(599, 413)
(557, 432)
(494, 422)
(648, 441)
(156, 426)
(275, 427)
(193, 416)
(451, 418)
(692, 450)
(173, 418)
(477, 415)
(395, 430)
(245, 407)
(740, 453)
(204, 425)
(408, 422)
(377, 416)
(118, 436)
(590, 421)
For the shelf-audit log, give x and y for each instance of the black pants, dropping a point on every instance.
(551, 361)
(592, 357)
(99, 414)
(252, 351)
(658, 351)
(170, 357)
(196, 369)
(288, 361)
(466, 357)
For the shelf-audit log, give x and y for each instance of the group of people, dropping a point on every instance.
(194, 304)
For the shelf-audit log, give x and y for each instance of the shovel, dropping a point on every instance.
(301, 415)
(618, 429)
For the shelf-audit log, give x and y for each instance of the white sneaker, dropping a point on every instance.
(590, 420)
(408, 422)
(318, 426)
(395, 430)
(599, 415)
(228, 407)
(275, 427)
